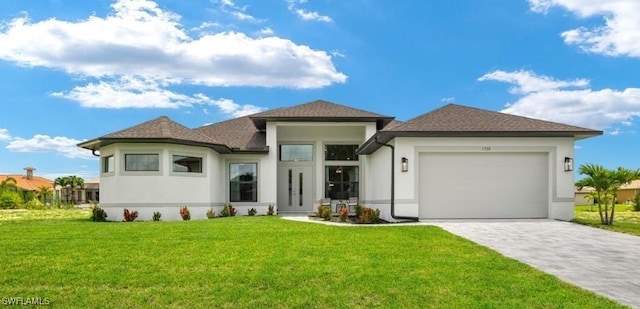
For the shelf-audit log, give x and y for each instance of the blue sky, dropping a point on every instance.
(76, 70)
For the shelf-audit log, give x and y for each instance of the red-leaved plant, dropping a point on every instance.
(130, 215)
(184, 213)
(343, 213)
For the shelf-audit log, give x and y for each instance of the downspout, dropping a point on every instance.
(393, 183)
(93, 152)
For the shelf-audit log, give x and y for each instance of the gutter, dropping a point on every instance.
(393, 183)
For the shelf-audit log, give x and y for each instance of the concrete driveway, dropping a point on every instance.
(607, 263)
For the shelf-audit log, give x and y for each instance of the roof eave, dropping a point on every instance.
(382, 137)
(260, 122)
(96, 144)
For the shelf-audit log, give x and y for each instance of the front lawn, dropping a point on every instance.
(265, 262)
(625, 219)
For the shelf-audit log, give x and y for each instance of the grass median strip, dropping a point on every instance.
(265, 262)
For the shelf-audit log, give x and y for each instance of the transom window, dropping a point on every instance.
(142, 162)
(341, 153)
(108, 164)
(187, 164)
(243, 182)
(296, 153)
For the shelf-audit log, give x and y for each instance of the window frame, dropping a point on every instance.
(201, 156)
(104, 170)
(312, 159)
(326, 152)
(254, 183)
(123, 168)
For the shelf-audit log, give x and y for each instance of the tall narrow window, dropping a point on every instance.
(243, 182)
(141, 162)
(108, 164)
(186, 164)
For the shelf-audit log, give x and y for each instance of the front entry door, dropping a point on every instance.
(294, 188)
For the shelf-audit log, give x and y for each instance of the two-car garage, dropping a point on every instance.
(457, 185)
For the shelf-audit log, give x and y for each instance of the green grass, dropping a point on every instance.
(264, 262)
(625, 219)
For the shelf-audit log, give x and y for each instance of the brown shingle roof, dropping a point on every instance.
(457, 118)
(319, 110)
(240, 133)
(454, 120)
(161, 129)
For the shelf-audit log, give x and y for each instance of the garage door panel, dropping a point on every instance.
(483, 185)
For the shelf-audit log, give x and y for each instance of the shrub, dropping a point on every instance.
(184, 213)
(98, 214)
(636, 202)
(252, 212)
(10, 199)
(369, 215)
(324, 212)
(130, 216)
(211, 213)
(358, 211)
(156, 216)
(270, 210)
(343, 213)
(228, 211)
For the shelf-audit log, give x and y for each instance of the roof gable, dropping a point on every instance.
(454, 120)
(319, 110)
(457, 118)
(161, 129)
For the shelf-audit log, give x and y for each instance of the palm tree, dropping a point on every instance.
(8, 183)
(606, 184)
(621, 177)
(43, 192)
(71, 183)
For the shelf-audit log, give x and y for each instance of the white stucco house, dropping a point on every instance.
(453, 162)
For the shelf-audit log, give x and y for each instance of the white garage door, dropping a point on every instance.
(483, 185)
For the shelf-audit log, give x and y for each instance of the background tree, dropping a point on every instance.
(71, 184)
(44, 192)
(606, 184)
(8, 184)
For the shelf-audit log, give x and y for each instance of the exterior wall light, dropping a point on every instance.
(568, 164)
(405, 164)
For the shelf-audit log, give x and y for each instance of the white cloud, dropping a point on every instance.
(448, 99)
(619, 35)
(551, 99)
(130, 92)
(304, 14)
(4, 135)
(526, 81)
(44, 143)
(266, 32)
(236, 11)
(140, 39)
(127, 92)
(236, 110)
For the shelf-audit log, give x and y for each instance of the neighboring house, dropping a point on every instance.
(628, 191)
(582, 196)
(92, 190)
(453, 162)
(28, 182)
